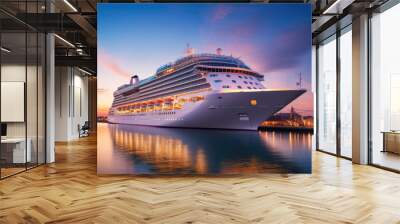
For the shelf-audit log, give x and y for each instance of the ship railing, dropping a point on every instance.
(247, 71)
(188, 59)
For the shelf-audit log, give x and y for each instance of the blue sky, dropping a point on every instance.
(273, 39)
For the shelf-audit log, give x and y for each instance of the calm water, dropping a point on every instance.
(129, 149)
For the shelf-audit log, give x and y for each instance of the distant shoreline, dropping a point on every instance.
(286, 128)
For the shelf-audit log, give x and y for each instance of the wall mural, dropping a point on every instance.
(188, 89)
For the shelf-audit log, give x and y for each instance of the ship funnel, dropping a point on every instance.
(219, 51)
(134, 80)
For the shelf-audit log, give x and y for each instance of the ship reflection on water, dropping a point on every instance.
(129, 149)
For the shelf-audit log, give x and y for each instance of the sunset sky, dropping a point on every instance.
(272, 39)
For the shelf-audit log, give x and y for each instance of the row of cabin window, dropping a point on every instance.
(164, 113)
(224, 70)
(234, 81)
(245, 77)
(239, 87)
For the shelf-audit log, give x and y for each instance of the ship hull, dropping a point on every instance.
(219, 110)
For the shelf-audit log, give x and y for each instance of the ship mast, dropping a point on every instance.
(189, 50)
(299, 82)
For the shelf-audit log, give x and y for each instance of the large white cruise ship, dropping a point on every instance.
(199, 91)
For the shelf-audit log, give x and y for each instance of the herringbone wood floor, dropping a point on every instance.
(69, 191)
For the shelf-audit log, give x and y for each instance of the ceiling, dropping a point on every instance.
(75, 22)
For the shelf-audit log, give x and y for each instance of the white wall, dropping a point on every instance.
(71, 102)
(33, 126)
(16, 73)
(62, 82)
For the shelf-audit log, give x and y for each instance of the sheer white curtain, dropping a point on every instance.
(346, 94)
(327, 96)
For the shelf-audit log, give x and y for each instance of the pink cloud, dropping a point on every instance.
(111, 64)
(220, 13)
